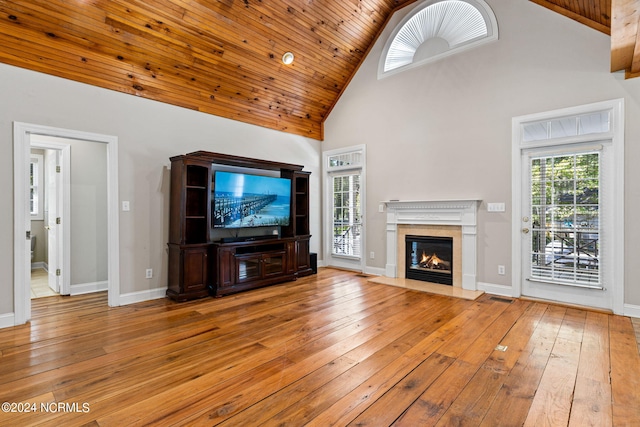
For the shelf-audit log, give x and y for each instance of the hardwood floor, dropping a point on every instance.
(329, 349)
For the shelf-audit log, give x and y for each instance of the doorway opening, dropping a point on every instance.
(48, 205)
(26, 135)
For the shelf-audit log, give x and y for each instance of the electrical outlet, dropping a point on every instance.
(501, 270)
(149, 273)
(125, 205)
(372, 255)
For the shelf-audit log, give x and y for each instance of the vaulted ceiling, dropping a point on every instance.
(224, 57)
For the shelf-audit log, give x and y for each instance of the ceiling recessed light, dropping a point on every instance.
(287, 58)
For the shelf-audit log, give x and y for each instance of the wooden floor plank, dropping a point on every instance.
(327, 349)
(592, 395)
(513, 401)
(625, 372)
(551, 405)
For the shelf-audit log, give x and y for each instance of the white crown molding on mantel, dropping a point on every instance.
(462, 213)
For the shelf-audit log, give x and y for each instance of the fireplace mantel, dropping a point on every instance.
(462, 213)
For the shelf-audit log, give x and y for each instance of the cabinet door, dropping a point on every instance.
(274, 264)
(248, 268)
(302, 254)
(194, 269)
(225, 263)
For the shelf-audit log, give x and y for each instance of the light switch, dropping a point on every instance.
(495, 207)
(125, 205)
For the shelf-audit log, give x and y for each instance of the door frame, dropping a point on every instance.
(328, 173)
(616, 136)
(64, 207)
(22, 269)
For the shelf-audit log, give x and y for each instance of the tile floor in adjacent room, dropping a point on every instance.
(40, 284)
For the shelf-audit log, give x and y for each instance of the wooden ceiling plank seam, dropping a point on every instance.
(572, 15)
(624, 29)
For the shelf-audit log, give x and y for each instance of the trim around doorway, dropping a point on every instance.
(21, 143)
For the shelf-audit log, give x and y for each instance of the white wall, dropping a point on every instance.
(148, 134)
(443, 131)
(89, 248)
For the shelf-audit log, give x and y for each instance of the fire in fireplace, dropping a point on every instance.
(430, 259)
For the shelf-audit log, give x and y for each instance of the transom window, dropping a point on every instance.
(435, 29)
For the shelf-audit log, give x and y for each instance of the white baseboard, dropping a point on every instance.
(39, 264)
(7, 320)
(376, 271)
(141, 296)
(493, 289)
(631, 310)
(87, 288)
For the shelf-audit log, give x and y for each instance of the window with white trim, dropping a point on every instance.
(435, 29)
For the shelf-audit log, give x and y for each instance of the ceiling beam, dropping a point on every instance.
(624, 36)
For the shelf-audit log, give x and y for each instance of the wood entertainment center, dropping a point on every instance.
(200, 262)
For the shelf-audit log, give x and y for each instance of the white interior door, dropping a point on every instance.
(54, 230)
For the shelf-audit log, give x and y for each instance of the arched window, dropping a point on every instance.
(435, 29)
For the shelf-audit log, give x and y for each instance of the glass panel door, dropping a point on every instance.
(565, 219)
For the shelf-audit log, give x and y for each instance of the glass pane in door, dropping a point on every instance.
(565, 217)
(347, 216)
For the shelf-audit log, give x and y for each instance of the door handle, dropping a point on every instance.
(525, 230)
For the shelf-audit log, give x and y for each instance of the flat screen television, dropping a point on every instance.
(242, 200)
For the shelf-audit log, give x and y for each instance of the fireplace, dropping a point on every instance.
(429, 258)
(444, 218)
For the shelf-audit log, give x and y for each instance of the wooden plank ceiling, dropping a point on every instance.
(223, 57)
(219, 57)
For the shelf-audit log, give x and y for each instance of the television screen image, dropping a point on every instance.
(243, 200)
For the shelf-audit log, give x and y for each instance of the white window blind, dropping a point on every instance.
(565, 218)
